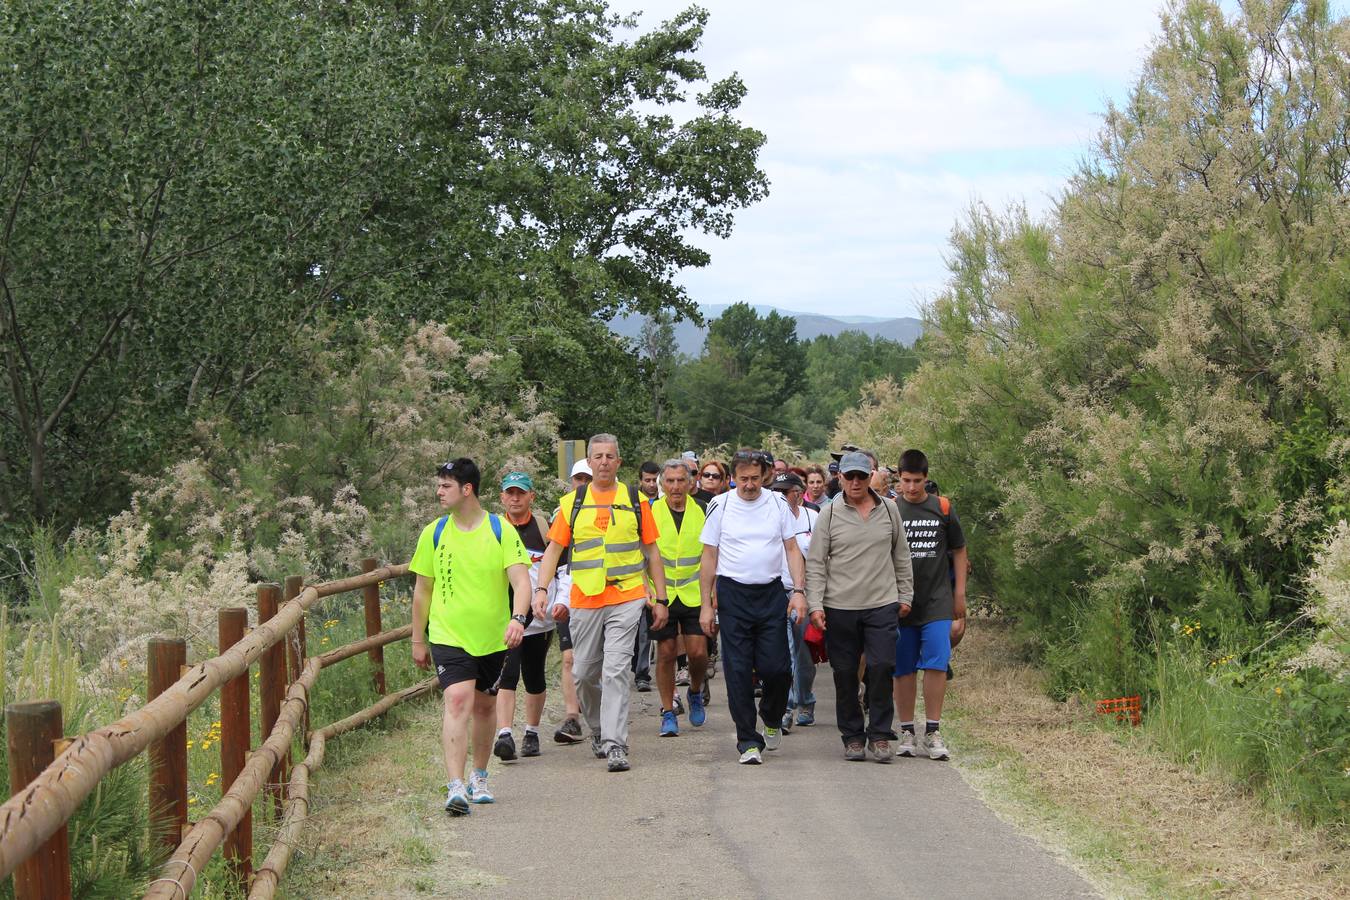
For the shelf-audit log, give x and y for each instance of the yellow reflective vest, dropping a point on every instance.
(609, 557)
(681, 549)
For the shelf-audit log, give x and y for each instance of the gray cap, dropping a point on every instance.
(855, 461)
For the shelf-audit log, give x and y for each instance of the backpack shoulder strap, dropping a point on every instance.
(436, 535)
(541, 523)
(637, 508)
(577, 501)
(496, 524)
(945, 504)
(892, 513)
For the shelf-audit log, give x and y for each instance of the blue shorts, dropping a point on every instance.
(923, 647)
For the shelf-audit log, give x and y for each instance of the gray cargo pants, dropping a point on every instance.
(602, 660)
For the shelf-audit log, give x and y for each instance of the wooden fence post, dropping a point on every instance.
(234, 741)
(294, 585)
(165, 658)
(271, 689)
(32, 728)
(373, 627)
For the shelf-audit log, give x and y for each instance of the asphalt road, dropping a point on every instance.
(687, 819)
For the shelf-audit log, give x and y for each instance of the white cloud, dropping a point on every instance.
(885, 121)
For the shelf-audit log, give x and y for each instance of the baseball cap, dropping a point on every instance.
(834, 467)
(690, 455)
(518, 480)
(581, 467)
(844, 450)
(855, 461)
(786, 481)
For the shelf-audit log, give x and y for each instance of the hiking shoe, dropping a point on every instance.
(679, 704)
(529, 744)
(505, 748)
(597, 746)
(707, 694)
(881, 751)
(644, 685)
(682, 676)
(787, 722)
(670, 726)
(712, 668)
(478, 788)
(698, 714)
(456, 798)
(569, 732)
(807, 715)
(937, 748)
(751, 757)
(618, 759)
(906, 745)
(855, 752)
(773, 738)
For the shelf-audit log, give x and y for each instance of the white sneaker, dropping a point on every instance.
(682, 677)
(905, 746)
(773, 738)
(751, 757)
(937, 748)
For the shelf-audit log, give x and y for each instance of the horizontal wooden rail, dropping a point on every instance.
(269, 874)
(34, 814)
(347, 651)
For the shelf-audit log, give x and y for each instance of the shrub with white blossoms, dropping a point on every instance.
(1328, 606)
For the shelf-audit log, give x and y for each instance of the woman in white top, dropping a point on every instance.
(801, 707)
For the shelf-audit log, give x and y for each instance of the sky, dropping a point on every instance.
(887, 120)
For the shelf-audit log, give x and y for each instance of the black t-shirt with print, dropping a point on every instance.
(931, 536)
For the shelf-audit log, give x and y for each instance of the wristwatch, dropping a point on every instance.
(538, 589)
(799, 591)
(518, 618)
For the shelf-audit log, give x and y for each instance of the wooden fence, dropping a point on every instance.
(55, 774)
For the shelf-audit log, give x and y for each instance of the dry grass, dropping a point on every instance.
(1133, 821)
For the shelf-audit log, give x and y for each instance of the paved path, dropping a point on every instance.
(687, 820)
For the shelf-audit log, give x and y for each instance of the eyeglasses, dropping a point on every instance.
(714, 475)
(856, 476)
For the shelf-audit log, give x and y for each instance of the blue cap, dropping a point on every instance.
(517, 480)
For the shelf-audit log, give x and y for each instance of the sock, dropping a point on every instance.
(503, 731)
(930, 726)
(907, 726)
(531, 729)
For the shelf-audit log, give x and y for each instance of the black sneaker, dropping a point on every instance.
(618, 759)
(597, 746)
(505, 748)
(644, 686)
(529, 744)
(569, 732)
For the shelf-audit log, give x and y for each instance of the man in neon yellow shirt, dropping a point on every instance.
(463, 620)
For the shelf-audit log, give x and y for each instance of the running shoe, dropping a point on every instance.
(707, 694)
(670, 726)
(644, 685)
(906, 745)
(456, 798)
(618, 759)
(855, 752)
(787, 722)
(682, 676)
(478, 788)
(751, 757)
(712, 667)
(773, 738)
(597, 746)
(881, 751)
(505, 748)
(950, 673)
(569, 732)
(698, 714)
(937, 748)
(529, 744)
(807, 715)
(679, 704)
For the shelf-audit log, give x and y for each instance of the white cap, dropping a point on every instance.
(580, 467)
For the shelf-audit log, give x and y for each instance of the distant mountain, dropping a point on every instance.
(689, 337)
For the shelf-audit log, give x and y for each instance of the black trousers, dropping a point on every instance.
(752, 621)
(849, 634)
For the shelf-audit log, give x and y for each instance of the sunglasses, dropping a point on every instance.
(753, 456)
(712, 474)
(856, 476)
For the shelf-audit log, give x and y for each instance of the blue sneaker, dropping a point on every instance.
(697, 714)
(456, 798)
(670, 726)
(478, 787)
(807, 715)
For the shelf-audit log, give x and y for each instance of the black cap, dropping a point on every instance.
(847, 448)
(786, 481)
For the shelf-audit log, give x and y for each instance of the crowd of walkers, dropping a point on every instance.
(768, 569)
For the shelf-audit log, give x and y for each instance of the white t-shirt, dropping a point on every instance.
(749, 535)
(802, 524)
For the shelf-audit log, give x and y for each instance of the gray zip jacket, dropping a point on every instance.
(856, 563)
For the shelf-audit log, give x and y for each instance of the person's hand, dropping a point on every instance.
(905, 609)
(560, 612)
(818, 619)
(540, 601)
(705, 620)
(660, 615)
(421, 654)
(514, 632)
(797, 608)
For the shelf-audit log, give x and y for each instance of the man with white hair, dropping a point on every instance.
(612, 536)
